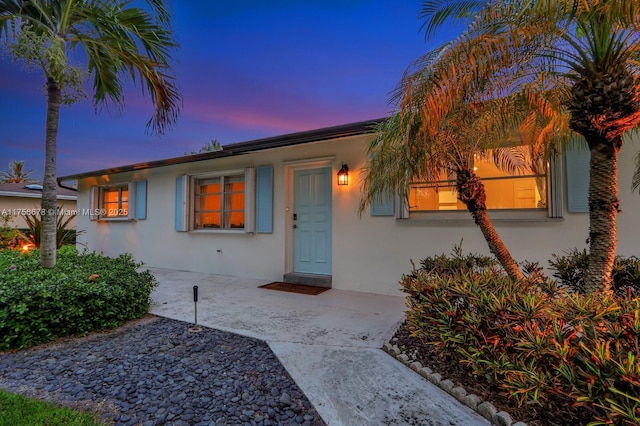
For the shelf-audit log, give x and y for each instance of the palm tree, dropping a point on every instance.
(117, 40)
(405, 151)
(586, 51)
(16, 173)
(211, 146)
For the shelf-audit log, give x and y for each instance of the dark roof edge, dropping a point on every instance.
(343, 130)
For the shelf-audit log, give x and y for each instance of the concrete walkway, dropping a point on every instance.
(330, 345)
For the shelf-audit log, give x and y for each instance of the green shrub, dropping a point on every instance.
(571, 270)
(533, 339)
(11, 238)
(458, 262)
(82, 293)
(64, 235)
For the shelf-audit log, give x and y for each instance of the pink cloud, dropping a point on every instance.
(280, 118)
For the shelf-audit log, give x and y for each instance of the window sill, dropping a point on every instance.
(218, 231)
(116, 219)
(464, 217)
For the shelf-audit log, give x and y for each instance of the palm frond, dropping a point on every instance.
(514, 159)
(16, 173)
(126, 40)
(436, 13)
(118, 39)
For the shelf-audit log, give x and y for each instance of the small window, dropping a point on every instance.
(115, 202)
(123, 201)
(504, 190)
(227, 201)
(219, 202)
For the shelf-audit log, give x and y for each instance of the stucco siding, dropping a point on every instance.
(369, 253)
(19, 206)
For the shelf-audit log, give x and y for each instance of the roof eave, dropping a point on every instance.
(34, 195)
(240, 148)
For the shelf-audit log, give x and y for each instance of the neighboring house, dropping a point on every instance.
(273, 208)
(20, 199)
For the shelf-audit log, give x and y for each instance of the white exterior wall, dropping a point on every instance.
(369, 254)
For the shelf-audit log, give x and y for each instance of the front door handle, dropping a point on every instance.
(295, 226)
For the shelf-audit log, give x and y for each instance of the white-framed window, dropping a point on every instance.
(119, 201)
(115, 201)
(229, 201)
(533, 195)
(526, 189)
(219, 202)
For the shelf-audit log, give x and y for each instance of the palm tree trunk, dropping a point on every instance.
(603, 211)
(49, 185)
(472, 193)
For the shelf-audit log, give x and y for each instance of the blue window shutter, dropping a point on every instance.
(131, 213)
(94, 202)
(264, 199)
(383, 205)
(181, 203)
(141, 199)
(577, 162)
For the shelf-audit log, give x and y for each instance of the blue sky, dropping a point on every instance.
(246, 69)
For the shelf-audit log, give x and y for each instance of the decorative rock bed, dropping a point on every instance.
(155, 372)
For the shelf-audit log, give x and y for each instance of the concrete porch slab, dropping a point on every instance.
(333, 318)
(329, 343)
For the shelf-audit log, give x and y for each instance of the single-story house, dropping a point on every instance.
(20, 199)
(274, 209)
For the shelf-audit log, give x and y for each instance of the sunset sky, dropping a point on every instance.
(246, 69)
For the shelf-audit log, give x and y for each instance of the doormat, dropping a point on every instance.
(295, 288)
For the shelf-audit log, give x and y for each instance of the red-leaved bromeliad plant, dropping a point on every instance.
(535, 340)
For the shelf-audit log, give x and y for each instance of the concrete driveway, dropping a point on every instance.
(329, 343)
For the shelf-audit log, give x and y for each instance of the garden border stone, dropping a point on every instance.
(484, 408)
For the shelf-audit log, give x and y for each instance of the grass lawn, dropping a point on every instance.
(18, 410)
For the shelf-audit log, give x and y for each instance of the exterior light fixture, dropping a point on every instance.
(343, 175)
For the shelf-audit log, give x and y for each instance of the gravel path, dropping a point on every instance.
(155, 371)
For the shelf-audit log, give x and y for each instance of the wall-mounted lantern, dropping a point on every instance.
(343, 175)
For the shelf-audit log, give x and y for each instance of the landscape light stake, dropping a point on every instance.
(195, 327)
